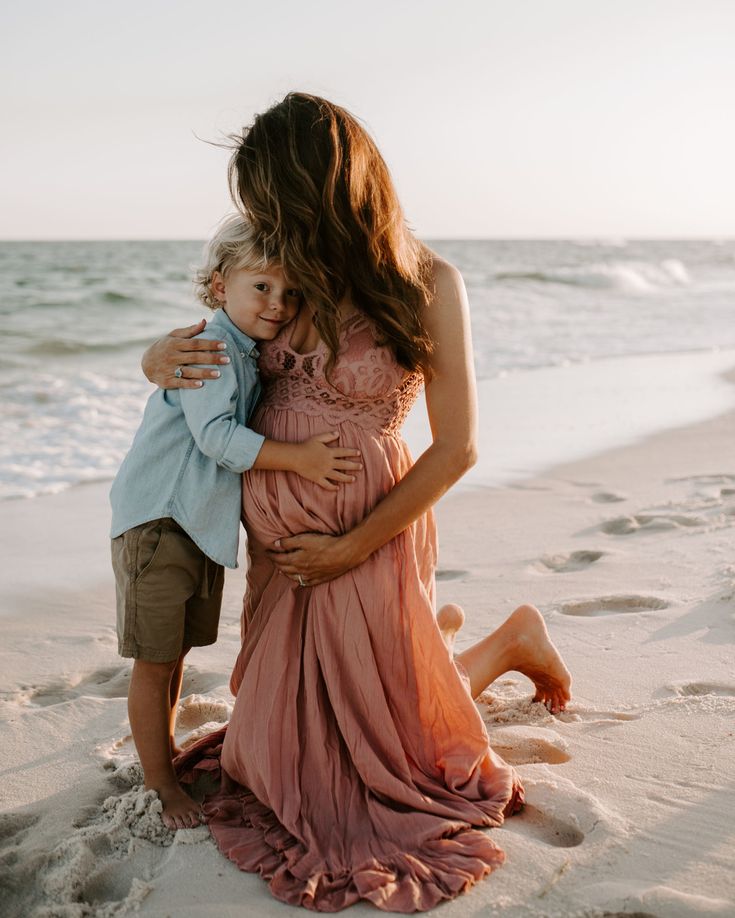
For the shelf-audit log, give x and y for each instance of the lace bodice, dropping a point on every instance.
(367, 385)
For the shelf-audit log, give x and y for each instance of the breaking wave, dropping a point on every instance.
(627, 276)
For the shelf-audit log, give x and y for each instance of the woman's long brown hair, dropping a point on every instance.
(312, 181)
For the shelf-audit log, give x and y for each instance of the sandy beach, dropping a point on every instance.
(630, 806)
(533, 195)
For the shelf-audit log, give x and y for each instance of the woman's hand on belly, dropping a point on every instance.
(313, 557)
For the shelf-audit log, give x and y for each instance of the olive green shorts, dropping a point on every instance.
(169, 593)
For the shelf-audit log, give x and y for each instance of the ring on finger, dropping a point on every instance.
(178, 372)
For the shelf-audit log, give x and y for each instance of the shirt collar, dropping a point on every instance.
(245, 342)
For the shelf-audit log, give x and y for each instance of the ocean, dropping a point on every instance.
(76, 317)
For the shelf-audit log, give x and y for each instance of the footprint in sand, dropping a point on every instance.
(102, 866)
(197, 710)
(578, 714)
(633, 901)
(523, 745)
(696, 689)
(558, 814)
(608, 497)
(197, 715)
(571, 561)
(452, 575)
(109, 682)
(613, 605)
(711, 496)
(723, 478)
(628, 915)
(650, 522)
(550, 830)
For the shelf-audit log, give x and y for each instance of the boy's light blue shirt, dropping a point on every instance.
(189, 451)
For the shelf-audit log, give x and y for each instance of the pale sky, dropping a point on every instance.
(514, 119)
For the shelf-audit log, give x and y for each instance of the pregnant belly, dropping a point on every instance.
(277, 504)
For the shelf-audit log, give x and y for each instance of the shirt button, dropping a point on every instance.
(242, 353)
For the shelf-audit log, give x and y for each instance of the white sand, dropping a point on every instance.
(630, 803)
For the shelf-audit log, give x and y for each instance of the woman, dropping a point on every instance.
(355, 763)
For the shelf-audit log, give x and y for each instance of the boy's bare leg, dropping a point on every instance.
(177, 677)
(149, 710)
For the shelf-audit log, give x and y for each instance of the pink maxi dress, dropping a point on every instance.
(356, 764)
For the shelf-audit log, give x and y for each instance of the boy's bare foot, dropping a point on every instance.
(179, 810)
(450, 619)
(532, 653)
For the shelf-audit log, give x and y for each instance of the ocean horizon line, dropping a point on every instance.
(600, 239)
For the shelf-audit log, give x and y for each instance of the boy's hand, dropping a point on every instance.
(178, 351)
(324, 464)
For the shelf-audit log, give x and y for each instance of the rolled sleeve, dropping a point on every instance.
(242, 450)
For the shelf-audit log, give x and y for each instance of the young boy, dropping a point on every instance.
(176, 500)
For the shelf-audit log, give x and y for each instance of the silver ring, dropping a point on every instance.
(178, 372)
(301, 580)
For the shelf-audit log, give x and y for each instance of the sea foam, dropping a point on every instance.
(77, 315)
(58, 432)
(626, 276)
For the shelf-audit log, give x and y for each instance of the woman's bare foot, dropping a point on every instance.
(450, 619)
(179, 810)
(521, 644)
(532, 653)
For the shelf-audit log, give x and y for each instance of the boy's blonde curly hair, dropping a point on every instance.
(234, 244)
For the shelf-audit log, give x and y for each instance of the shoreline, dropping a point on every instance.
(628, 554)
(533, 419)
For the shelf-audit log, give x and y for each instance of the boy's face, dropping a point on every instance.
(260, 303)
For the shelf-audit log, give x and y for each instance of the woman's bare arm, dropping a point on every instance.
(452, 406)
(177, 349)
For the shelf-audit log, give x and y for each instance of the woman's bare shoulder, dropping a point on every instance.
(447, 280)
